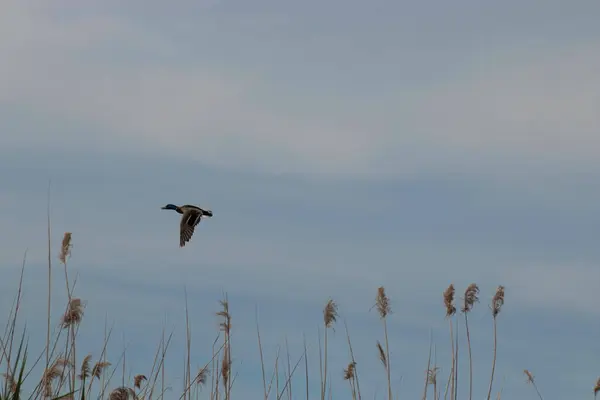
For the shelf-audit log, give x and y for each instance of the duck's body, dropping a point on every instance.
(190, 217)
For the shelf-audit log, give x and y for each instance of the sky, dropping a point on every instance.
(342, 146)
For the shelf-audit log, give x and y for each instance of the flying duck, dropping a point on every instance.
(190, 217)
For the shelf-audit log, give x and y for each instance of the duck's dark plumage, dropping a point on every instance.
(191, 216)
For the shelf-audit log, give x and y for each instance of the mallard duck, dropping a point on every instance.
(191, 216)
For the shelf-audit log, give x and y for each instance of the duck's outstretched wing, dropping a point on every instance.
(189, 220)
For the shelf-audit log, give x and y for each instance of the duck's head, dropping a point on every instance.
(170, 207)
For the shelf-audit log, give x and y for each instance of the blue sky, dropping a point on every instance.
(341, 146)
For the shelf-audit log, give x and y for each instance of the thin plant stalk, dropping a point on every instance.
(471, 297)
(49, 290)
(497, 303)
(384, 309)
(428, 369)
(330, 315)
(353, 360)
(260, 350)
(305, 366)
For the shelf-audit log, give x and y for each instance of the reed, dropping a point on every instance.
(66, 376)
(471, 297)
(496, 306)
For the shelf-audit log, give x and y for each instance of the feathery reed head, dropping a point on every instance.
(330, 313)
(98, 368)
(85, 368)
(202, 376)
(224, 313)
(529, 375)
(449, 301)
(74, 313)
(382, 355)
(11, 383)
(51, 373)
(65, 248)
(498, 301)
(597, 387)
(349, 372)
(137, 380)
(225, 367)
(432, 375)
(470, 297)
(383, 303)
(122, 393)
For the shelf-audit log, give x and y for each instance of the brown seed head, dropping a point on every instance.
(65, 248)
(349, 372)
(382, 356)
(432, 375)
(383, 303)
(74, 313)
(529, 375)
(52, 373)
(85, 367)
(449, 301)
(202, 377)
(122, 393)
(597, 387)
(98, 368)
(330, 313)
(225, 367)
(498, 301)
(470, 297)
(224, 313)
(12, 384)
(138, 379)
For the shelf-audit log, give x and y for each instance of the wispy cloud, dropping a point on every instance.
(487, 136)
(508, 110)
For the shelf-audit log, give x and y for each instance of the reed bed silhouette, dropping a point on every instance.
(69, 376)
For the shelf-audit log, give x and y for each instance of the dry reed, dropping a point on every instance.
(531, 381)
(384, 309)
(469, 301)
(330, 315)
(448, 297)
(496, 306)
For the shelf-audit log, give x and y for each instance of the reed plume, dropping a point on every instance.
(96, 373)
(330, 315)
(225, 326)
(349, 371)
(531, 381)
(383, 307)
(225, 366)
(11, 383)
(85, 371)
(51, 373)
(354, 370)
(349, 376)
(432, 379)
(469, 301)
(448, 297)
(597, 388)
(65, 248)
(137, 381)
(496, 306)
(122, 393)
(202, 376)
(74, 313)
(99, 367)
(382, 355)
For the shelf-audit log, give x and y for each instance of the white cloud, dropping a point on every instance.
(512, 109)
